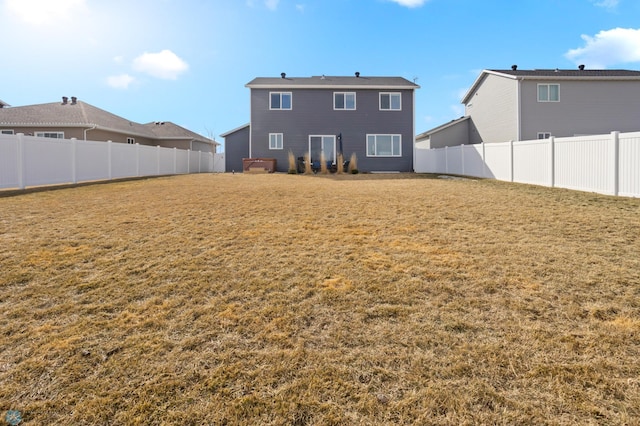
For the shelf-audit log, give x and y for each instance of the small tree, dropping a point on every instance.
(307, 164)
(323, 164)
(340, 165)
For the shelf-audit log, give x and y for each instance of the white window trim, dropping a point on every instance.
(345, 101)
(390, 108)
(281, 93)
(7, 132)
(383, 134)
(547, 85)
(42, 134)
(281, 137)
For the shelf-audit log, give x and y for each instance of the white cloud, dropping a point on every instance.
(609, 47)
(300, 8)
(165, 65)
(607, 4)
(271, 4)
(121, 81)
(410, 3)
(38, 12)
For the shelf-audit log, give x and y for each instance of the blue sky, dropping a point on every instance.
(187, 61)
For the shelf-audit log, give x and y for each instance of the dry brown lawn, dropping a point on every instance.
(319, 300)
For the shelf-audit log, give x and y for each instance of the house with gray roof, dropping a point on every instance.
(372, 117)
(72, 118)
(504, 105)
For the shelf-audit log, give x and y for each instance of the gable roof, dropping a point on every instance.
(331, 82)
(84, 115)
(425, 135)
(554, 74)
(169, 130)
(232, 131)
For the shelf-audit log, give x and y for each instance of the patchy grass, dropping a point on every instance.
(318, 300)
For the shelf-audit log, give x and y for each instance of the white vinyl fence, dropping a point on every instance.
(33, 161)
(606, 164)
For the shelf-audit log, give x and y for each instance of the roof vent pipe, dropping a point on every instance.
(514, 67)
(357, 74)
(64, 100)
(74, 100)
(581, 67)
(283, 75)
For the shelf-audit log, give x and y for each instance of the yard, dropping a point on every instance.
(319, 300)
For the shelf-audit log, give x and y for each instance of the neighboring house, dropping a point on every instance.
(372, 117)
(72, 118)
(236, 147)
(504, 105)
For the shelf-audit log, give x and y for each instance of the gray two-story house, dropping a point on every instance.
(504, 105)
(372, 117)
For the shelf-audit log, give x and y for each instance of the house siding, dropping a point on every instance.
(312, 113)
(236, 147)
(604, 107)
(457, 134)
(493, 109)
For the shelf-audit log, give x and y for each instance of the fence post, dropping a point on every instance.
(109, 161)
(552, 161)
(615, 139)
(74, 160)
(188, 161)
(484, 160)
(199, 161)
(137, 159)
(446, 160)
(20, 161)
(511, 159)
(175, 160)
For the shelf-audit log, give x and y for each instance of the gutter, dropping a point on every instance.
(86, 130)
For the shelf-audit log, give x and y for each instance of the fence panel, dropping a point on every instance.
(585, 163)
(47, 161)
(531, 162)
(629, 165)
(498, 160)
(124, 160)
(473, 162)
(9, 170)
(92, 160)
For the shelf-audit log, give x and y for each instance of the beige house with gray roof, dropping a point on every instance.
(72, 118)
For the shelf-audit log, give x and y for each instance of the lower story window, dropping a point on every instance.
(131, 140)
(6, 132)
(53, 135)
(384, 146)
(275, 140)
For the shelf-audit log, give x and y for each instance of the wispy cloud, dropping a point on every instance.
(38, 12)
(121, 81)
(271, 4)
(607, 4)
(410, 3)
(300, 8)
(607, 48)
(165, 64)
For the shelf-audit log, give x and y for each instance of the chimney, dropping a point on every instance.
(283, 75)
(357, 74)
(64, 100)
(74, 100)
(514, 67)
(581, 67)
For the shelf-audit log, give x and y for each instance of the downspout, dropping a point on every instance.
(519, 110)
(86, 130)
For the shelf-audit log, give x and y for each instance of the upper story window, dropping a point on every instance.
(344, 100)
(384, 146)
(544, 135)
(6, 132)
(53, 135)
(548, 93)
(390, 101)
(280, 100)
(275, 141)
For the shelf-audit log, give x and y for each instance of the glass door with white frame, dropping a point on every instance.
(322, 144)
